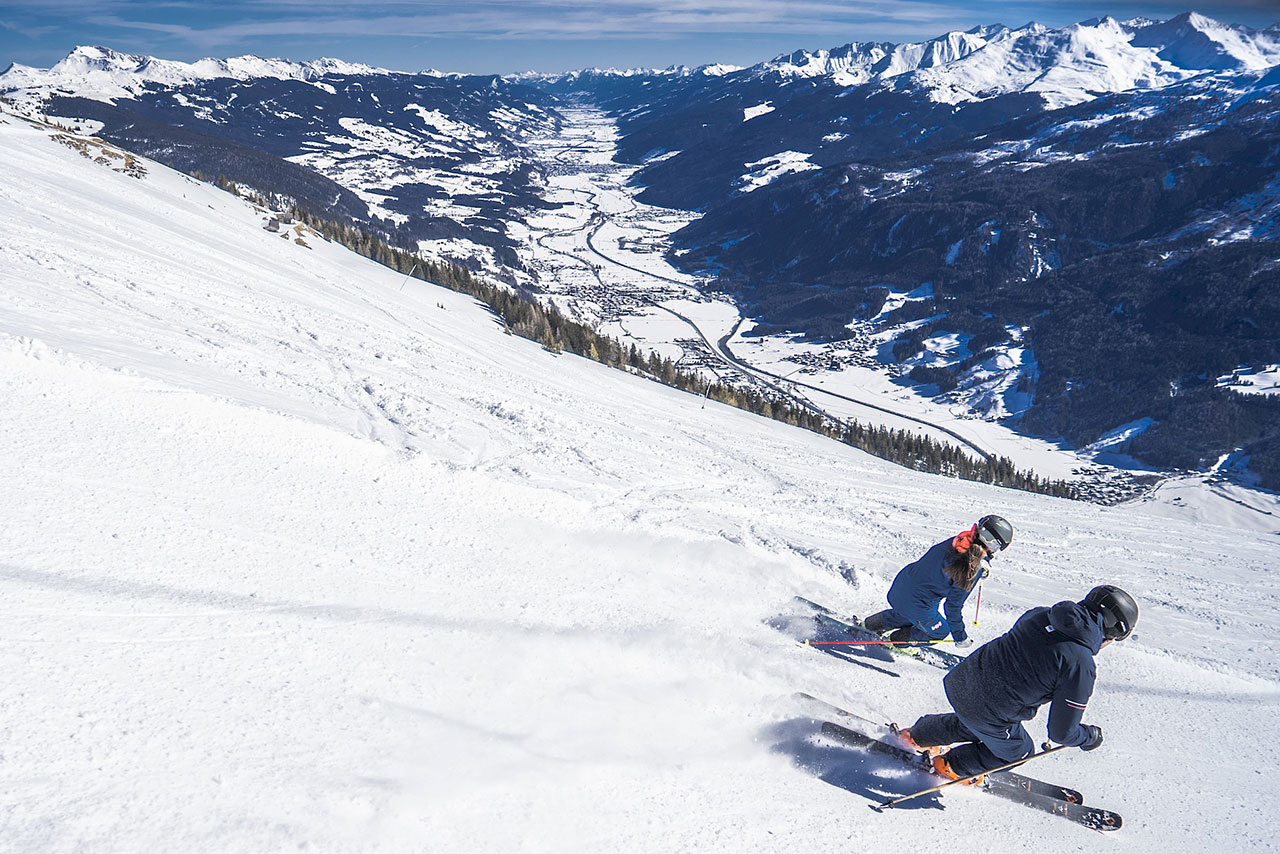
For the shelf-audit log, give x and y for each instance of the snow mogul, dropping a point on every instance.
(946, 573)
(1048, 656)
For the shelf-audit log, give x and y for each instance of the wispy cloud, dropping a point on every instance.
(497, 19)
(31, 32)
(544, 19)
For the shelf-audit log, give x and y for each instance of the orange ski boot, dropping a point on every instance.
(904, 737)
(943, 769)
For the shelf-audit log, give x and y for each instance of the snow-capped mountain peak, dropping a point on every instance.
(86, 59)
(1191, 40)
(1072, 64)
(860, 62)
(718, 69)
(100, 72)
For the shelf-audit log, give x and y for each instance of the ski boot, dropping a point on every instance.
(905, 739)
(899, 638)
(874, 623)
(942, 768)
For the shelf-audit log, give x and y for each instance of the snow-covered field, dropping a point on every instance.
(761, 173)
(296, 555)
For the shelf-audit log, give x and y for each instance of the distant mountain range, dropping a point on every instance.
(1072, 228)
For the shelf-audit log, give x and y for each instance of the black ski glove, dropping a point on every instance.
(1095, 737)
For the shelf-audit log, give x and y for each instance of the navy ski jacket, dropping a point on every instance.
(1046, 656)
(920, 586)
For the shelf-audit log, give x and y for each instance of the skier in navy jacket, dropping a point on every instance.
(1047, 657)
(946, 575)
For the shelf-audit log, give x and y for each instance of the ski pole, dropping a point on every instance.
(865, 643)
(889, 804)
(978, 606)
(408, 274)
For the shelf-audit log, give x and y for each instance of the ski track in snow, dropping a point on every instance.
(293, 558)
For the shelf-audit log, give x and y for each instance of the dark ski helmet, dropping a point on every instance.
(994, 533)
(1118, 609)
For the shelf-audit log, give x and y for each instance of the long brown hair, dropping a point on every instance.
(964, 567)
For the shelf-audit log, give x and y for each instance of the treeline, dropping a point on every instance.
(523, 315)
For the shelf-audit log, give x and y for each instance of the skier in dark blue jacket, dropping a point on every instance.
(946, 575)
(1047, 657)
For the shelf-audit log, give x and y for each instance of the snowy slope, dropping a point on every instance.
(293, 558)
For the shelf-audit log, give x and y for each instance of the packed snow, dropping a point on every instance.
(299, 554)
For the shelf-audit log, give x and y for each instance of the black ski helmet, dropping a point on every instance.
(1118, 609)
(994, 533)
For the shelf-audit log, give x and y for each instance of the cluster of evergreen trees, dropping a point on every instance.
(523, 315)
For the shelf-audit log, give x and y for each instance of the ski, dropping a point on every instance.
(1000, 778)
(824, 616)
(821, 609)
(1094, 818)
(927, 654)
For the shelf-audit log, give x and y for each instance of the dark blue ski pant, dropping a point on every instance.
(924, 627)
(984, 746)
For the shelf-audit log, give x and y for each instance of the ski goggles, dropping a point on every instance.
(990, 541)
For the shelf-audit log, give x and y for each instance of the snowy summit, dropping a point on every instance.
(100, 72)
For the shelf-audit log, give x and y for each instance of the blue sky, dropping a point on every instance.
(502, 36)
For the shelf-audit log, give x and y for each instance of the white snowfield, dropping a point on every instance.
(765, 171)
(294, 558)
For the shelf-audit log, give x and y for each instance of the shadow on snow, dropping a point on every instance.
(859, 772)
(802, 628)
